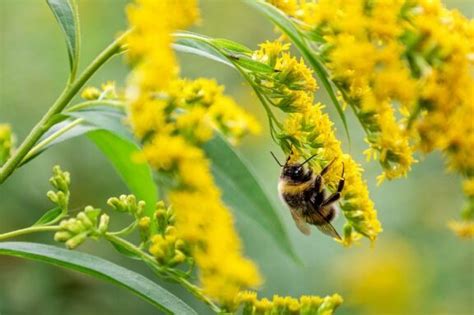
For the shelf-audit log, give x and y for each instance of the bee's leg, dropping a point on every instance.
(318, 183)
(337, 195)
(326, 168)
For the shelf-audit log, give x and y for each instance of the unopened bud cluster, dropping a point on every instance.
(165, 246)
(87, 224)
(305, 305)
(61, 181)
(128, 204)
(107, 91)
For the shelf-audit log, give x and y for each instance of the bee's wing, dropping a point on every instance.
(328, 229)
(323, 224)
(300, 222)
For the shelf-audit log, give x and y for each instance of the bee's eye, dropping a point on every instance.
(299, 171)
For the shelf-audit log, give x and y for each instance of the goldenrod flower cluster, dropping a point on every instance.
(305, 305)
(6, 142)
(307, 131)
(406, 68)
(173, 118)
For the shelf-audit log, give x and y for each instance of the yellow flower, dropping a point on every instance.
(6, 142)
(149, 45)
(464, 229)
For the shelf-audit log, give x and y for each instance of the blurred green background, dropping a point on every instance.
(417, 267)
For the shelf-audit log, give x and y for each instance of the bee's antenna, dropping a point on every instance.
(308, 159)
(281, 165)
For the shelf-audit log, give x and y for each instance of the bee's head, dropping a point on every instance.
(295, 172)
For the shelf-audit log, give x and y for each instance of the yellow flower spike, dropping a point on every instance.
(415, 54)
(150, 43)
(356, 204)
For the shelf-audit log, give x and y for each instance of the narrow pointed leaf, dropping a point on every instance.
(101, 269)
(67, 16)
(50, 216)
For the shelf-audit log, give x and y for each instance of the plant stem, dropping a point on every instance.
(63, 100)
(160, 270)
(28, 230)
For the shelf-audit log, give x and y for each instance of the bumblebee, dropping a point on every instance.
(305, 195)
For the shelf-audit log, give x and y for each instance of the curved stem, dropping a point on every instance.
(63, 100)
(28, 230)
(163, 271)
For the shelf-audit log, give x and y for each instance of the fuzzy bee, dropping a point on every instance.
(306, 197)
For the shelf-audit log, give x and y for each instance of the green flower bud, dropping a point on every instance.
(76, 241)
(127, 204)
(75, 231)
(61, 181)
(103, 224)
(62, 236)
(52, 196)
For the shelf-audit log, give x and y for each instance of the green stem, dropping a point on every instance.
(63, 100)
(161, 271)
(28, 230)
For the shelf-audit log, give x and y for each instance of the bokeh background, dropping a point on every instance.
(416, 267)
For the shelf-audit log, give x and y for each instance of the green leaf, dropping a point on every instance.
(73, 130)
(196, 47)
(107, 119)
(50, 216)
(67, 16)
(253, 65)
(100, 269)
(231, 45)
(138, 176)
(284, 23)
(243, 192)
